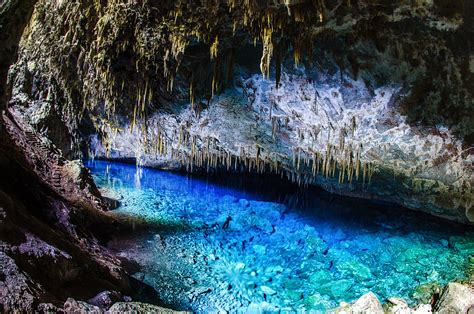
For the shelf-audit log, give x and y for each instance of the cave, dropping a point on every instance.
(237, 156)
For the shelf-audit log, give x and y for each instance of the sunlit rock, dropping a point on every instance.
(455, 298)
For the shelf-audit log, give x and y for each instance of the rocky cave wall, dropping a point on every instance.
(379, 92)
(50, 211)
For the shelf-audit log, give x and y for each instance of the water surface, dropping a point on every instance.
(249, 245)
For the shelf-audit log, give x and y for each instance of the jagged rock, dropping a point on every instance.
(397, 306)
(368, 303)
(79, 307)
(111, 203)
(422, 309)
(17, 290)
(138, 307)
(424, 292)
(455, 298)
(106, 299)
(48, 308)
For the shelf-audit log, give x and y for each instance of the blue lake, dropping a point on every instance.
(230, 243)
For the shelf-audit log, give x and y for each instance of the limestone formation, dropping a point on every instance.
(369, 99)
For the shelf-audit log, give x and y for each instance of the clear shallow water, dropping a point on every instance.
(249, 246)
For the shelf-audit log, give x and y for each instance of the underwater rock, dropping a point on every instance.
(338, 288)
(424, 293)
(461, 244)
(455, 298)
(267, 290)
(355, 270)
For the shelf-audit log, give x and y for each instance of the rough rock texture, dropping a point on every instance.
(302, 129)
(47, 250)
(116, 68)
(51, 216)
(368, 303)
(375, 92)
(397, 306)
(137, 307)
(455, 298)
(76, 307)
(14, 15)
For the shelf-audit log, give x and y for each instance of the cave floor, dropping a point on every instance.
(232, 246)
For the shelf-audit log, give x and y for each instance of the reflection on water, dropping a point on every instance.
(260, 244)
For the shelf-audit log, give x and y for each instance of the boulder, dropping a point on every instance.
(72, 306)
(111, 203)
(47, 308)
(368, 303)
(422, 309)
(106, 299)
(397, 306)
(455, 298)
(424, 292)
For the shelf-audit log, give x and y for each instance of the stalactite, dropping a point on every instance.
(299, 160)
(342, 135)
(214, 50)
(267, 41)
(191, 94)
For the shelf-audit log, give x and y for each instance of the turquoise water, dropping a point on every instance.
(246, 245)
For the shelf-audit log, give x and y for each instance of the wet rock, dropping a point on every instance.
(424, 293)
(138, 307)
(368, 303)
(462, 244)
(105, 299)
(354, 269)
(78, 307)
(267, 290)
(339, 288)
(321, 276)
(318, 302)
(259, 249)
(263, 307)
(48, 308)
(396, 306)
(455, 298)
(316, 244)
(111, 203)
(244, 203)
